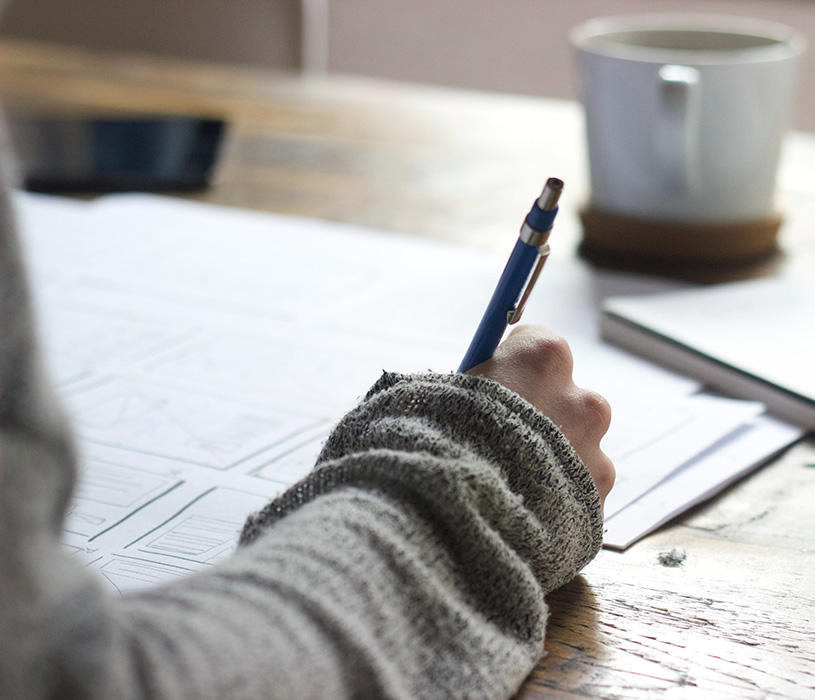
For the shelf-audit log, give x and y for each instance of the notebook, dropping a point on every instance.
(752, 340)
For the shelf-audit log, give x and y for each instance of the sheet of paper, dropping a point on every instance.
(666, 438)
(753, 444)
(204, 354)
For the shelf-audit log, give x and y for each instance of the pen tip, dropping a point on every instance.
(550, 195)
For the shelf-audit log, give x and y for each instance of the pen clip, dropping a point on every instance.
(514, 315)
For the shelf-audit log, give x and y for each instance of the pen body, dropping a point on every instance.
(494, 321)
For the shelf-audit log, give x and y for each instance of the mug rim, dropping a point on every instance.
(784, 41)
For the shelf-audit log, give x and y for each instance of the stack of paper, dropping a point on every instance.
(205, 352)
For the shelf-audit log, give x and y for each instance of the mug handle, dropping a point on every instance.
(677, 126)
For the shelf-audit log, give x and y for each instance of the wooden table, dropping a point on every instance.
(734, 619)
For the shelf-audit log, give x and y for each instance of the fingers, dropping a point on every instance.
(538, 365)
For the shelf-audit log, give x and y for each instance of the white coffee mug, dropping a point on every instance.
(685, 114)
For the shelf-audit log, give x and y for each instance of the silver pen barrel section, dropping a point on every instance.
(538, 223)
(551, 194)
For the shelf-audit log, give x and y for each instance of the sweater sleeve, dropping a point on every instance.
(464, 449)
(411, 563)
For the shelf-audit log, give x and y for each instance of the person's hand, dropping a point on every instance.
(537, 364)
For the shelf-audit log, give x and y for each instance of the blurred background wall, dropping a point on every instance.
(261, 32)
(518, 46)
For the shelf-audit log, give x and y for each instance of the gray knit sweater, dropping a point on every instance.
(411, 563)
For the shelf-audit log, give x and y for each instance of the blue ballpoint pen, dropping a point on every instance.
(519, 276)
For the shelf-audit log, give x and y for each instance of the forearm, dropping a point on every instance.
(501, 466)
(413, 562)
(494, 509)
(349, 596)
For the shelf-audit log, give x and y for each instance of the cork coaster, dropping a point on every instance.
(696, 252)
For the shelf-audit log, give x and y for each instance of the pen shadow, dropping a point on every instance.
(573, 640)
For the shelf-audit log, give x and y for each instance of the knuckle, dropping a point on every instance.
(606, 475)
(595, 410)
(548, 354)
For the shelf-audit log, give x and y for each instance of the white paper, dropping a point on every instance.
(667, 437)
(752, 445)
(204, 354)
(758, 327)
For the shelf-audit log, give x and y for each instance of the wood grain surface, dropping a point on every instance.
(717, 604)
